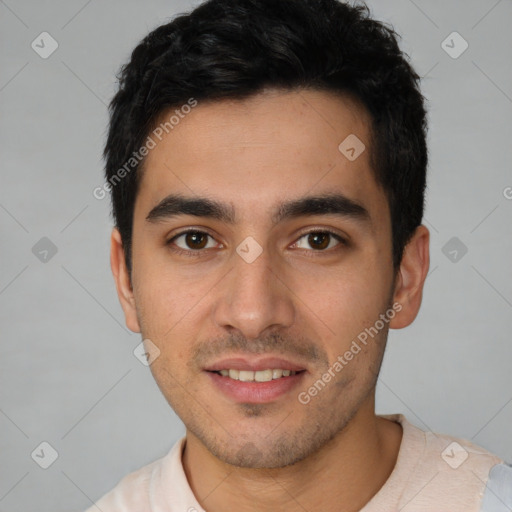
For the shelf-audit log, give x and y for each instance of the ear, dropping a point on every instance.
(411, 278)
(123, 281)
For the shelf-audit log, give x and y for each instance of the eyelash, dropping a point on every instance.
(199, 252)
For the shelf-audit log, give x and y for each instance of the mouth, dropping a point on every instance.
(255, 381)
(257, 376)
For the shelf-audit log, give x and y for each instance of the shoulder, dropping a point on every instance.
(446, 453)
(133, 492)
(445, 471)
(130, 493)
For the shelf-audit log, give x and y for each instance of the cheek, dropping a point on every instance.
(343, 306)
(347, 297)
(160, 305)
(157, 285)
(169, 311)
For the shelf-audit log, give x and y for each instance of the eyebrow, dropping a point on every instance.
(324, 204)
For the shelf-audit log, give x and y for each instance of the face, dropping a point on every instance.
(262, 252)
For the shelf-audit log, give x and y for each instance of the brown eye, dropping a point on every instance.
(320, 240)
(191, 240)
(196, 240)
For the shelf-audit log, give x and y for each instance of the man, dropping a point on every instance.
(267, 163)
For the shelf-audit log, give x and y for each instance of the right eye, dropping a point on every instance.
(193, 241)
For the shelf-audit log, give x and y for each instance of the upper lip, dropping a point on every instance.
(254, 364)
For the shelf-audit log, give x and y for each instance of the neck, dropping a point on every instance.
(342, 476)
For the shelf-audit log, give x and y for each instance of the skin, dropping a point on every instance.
(295, 300)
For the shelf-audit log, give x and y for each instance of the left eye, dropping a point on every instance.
(320, 240)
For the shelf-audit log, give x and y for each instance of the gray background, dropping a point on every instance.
(67, 369)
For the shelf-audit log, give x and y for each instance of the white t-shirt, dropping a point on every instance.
(433, 472)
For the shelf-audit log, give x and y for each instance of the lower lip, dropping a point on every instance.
(255, 392)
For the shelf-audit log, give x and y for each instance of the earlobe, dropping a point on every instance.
(411, 278)
(123, 281)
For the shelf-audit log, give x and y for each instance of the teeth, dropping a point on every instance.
(263, 376)
(277, 373)
(259, 376)
(245, 376)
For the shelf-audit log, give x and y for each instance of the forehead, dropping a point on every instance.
(255, 152)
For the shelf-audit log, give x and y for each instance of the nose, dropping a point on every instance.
(253, 297)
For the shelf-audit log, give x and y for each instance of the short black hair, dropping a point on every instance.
(234, 49)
